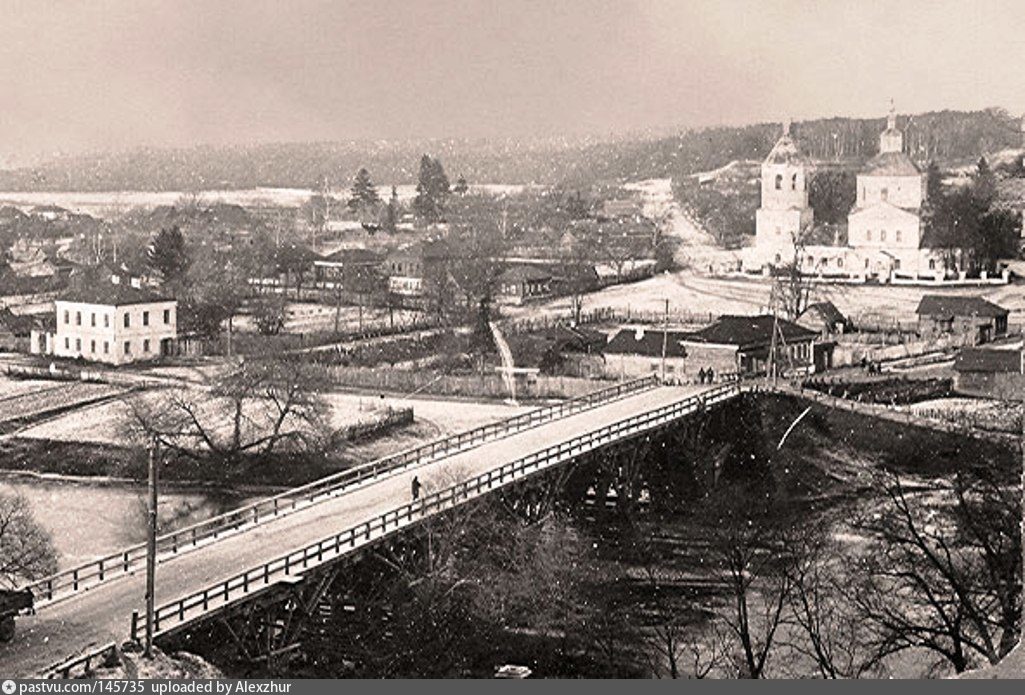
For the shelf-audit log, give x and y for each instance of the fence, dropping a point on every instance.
(478, 386)
(177, 613)
(83, 662)
(70, 581)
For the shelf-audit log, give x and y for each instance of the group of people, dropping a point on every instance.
(706, 376)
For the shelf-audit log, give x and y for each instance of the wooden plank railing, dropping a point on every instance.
(192, 606)
(70, 581)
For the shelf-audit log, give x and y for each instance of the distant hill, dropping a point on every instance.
(952, 137)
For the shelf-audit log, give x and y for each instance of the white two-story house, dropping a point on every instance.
(115, 323)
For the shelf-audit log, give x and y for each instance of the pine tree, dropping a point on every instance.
(391, 212)
(432, 190)
(985, 183)
(363, 193)
(167, 255)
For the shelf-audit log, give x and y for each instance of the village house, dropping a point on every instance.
(408, 268)
(640, 351)
(972, 316)
(111, 322)
(524, 283)
(345, 263)
(989, 373)
(742, 344)
(825, 318)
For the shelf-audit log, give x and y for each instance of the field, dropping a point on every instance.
(29, 399)
(690, 292)
(105, 423)
(317, 318)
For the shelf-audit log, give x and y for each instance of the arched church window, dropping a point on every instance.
(793, 182)
(779, 182)
(932, 264)
(882, 235)
(897, 235)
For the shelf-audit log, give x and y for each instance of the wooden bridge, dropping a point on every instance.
(207, 567)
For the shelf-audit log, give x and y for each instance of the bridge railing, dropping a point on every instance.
(172, 615)
(73, 580)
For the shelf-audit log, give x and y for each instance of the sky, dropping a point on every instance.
(116, 74)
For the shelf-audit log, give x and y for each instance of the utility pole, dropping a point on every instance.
(151, 549)
(665, 340)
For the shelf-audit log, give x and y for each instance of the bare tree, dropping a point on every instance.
(26, 549)
(253, 409)
(792, 288)
(946, 577)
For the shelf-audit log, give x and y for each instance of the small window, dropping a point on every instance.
(145, 318)
(866, 264)
(839, 262)
(882, 235)
(793, 182)
(896, 235)
(67, 343)
(654, 366)
(167, 316)
(145, 345)
(78, 345)
(884, 194)
(932, 264)
(896, 264)
(128, 347)
(128, 321)
(106, 347)
(78, 318)
(106, 320)
(779, 182)
(67, 317)
(92, 347)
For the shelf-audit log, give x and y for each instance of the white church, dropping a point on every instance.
(884, 229)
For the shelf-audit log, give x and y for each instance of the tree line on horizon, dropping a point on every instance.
(945, 136)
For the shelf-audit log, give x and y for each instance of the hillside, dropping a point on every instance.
(952, 137)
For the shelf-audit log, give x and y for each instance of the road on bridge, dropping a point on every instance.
(102, 614)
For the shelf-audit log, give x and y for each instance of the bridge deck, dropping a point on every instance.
(103, 614)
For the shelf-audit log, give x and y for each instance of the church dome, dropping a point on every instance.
(785, 151)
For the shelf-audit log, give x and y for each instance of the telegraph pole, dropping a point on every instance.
(151, 549)
(665, 340)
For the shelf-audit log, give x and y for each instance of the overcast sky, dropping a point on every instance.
(120, 73)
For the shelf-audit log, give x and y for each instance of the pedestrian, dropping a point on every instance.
(701, 375)
(711, 375)
(415, 486)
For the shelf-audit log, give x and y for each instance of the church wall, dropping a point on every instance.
(901, 191)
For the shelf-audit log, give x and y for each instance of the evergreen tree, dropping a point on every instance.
(363, 193)
(461, 187)
(168, 257)
(432, 190)
(391, 213)
(933, 183)
(985, 183)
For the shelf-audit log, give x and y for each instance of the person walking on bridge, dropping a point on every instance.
(415, 488)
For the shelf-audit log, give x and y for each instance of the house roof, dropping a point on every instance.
(891, 164)
(950, 306)
(111, 294)
(524, 273)
(642, 341)
(355, 256)
(750, 331)
(828, 311)
(575, 338)
(987, 360)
